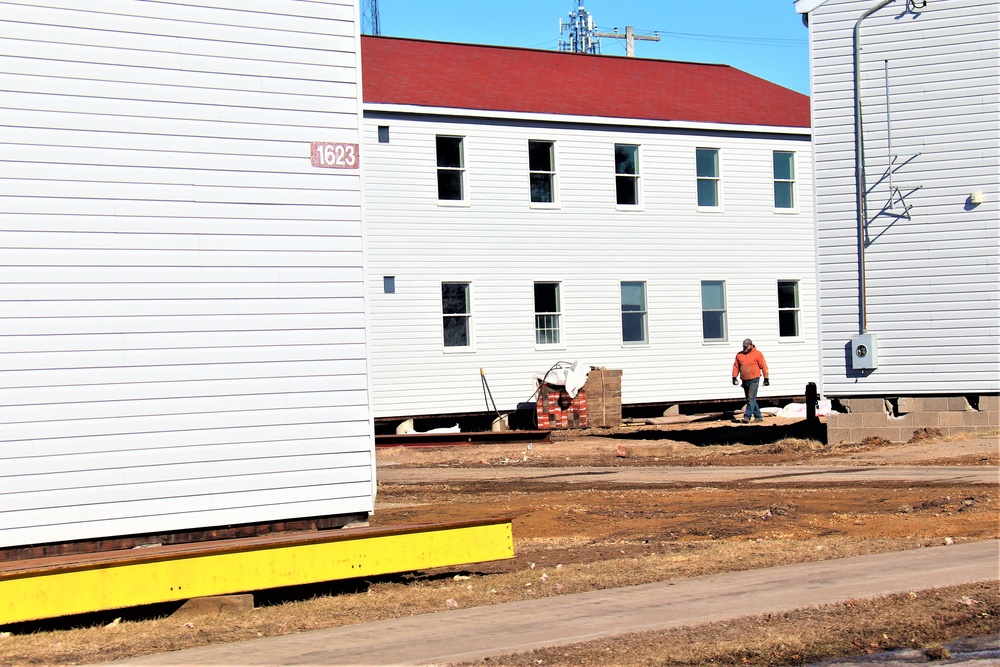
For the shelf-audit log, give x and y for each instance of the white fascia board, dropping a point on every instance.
(806, 6)
(586, 120)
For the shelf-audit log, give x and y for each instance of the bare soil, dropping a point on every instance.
(567, 523)
(572, 537)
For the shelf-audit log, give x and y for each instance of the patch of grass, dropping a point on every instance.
(855, 627)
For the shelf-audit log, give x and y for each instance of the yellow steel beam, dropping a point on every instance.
(60, 587)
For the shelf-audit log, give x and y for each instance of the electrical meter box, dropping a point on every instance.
(864, 352)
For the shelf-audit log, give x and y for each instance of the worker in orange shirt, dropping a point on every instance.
(749, 366)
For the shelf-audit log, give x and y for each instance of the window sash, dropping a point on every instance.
(707, 172)
(542, 191)
(627, 190)
(547, 328)
(451, 168)
(784, 179)
(634, 320)
(541, 171)
(713, 310)
(788, 309)
(548, 314)
(627, 174)
(457, 314)
(627, 159)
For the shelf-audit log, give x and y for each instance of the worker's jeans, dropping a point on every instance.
(750, 391)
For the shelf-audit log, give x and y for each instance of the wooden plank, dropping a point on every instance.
(44, 588)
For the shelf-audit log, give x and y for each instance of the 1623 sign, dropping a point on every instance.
(331, 155)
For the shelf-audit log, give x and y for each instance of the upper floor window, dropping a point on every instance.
(784, 179)
(627, 174)
(707, 165)
(450, 168)
(713, 310)
(788, 308)
(547, 314)
(456, 307)
(634, 327)
(542, 171)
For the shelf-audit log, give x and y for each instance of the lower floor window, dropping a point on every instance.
(713, 310)
(457, 311)
(634, 329)
(547, 314)
(788, 308)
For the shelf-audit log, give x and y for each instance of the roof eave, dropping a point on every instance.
(806, 6)
(411, 109)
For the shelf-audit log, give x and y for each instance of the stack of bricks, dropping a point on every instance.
(604, 396)
(556, 409)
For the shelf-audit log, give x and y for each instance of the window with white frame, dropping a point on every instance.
(456, 307)
(450, 168)
(788, 308)
(634, 325)
(542, 172)
(547, 314)
(627, 174)
(707, 166)
(713, 310)
(784, 179)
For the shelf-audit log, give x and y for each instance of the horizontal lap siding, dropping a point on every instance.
(182, 307)
(502, 245)
(932, 280)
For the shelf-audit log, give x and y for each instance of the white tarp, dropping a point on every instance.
(571, 377)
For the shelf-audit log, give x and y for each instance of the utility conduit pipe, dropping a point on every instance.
(859, 169)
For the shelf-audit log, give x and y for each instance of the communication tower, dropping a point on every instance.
(369, 18)
(582, 33)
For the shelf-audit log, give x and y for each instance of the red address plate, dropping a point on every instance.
(331, 155)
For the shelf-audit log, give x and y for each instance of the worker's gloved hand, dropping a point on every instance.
(767, 382)
(735, 381)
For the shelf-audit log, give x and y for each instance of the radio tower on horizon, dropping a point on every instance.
(582, 32)
(369, 18)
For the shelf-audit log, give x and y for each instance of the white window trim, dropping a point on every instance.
(471, 347)
(725, 313)
(633, 344)
(555, 203)
(464, 170)
(639, 200)
(795, 184)
(561, 345)
(799, 337)
(719, 190)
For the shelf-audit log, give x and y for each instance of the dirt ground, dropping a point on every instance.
(572, 537)
(567, 523)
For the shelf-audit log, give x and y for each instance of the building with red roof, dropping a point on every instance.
(528, 207)
(528, 81)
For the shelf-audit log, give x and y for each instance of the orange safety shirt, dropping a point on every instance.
(748, 365)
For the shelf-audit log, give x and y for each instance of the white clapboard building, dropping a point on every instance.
(905, 93)
(182, 308)
(527, 207)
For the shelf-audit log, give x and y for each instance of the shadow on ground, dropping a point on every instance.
(745, 434)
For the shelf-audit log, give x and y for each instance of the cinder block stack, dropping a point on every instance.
(604, 397)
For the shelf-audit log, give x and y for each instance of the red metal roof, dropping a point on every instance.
(498, 78)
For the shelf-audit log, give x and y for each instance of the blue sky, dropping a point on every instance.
(763, 37)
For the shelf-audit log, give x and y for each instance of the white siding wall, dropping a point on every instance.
(182, 319)
(502, 245)
(932, 280)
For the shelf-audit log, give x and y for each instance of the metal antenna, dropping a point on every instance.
(582, 33)
(369, 18)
